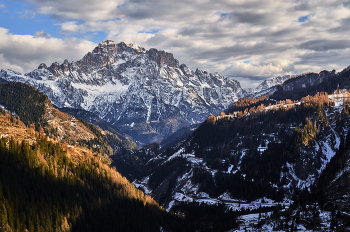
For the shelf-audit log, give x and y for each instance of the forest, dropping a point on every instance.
(260, 140)
(43, 189)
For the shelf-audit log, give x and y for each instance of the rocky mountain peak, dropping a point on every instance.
(106, 43)
(186, 70)
(135, 47)
(55, 66)
(42, 66)
(133, 88)
(163, 58)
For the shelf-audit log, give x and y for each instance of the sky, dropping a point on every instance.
(247, 40)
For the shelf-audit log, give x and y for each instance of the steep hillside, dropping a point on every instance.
(49, 187)
(38, 113)
(147, 94)
(311, 83)
(325, 206)
(94, 119)
(178, 136)
(265, 151)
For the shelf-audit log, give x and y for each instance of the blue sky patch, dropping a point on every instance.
(19, 19)
(303, 18)
(152, 31)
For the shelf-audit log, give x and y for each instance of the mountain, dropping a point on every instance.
(263, 152)
(277, 160)
(145, 93)
(2, 81)
(307, 80)
(260, 148)
(37, 112)
(283, 157)
(268, 86)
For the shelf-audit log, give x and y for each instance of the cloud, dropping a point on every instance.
(3, 7)
(258, 71)
(277, 37)
(325, 44)
(24, 52)
(42, 34)
(86, 10)
(252, 17)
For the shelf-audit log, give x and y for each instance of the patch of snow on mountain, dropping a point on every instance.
(143, 185)
(182, 197)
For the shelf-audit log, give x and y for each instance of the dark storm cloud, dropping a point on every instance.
(346, 4)
(246, 49)
(325, 45)
(251, 18)
(302, 7)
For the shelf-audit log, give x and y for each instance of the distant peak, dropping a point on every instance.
(136, 47)
(106, 43)
(42, 66)
(132, 45)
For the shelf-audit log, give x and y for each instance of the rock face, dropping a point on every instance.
(146, 93)
(268, 86)
(306, 80)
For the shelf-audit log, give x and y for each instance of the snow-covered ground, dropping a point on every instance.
(250, 222)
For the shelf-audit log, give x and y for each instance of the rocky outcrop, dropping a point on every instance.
(306, 80)
(268, 86)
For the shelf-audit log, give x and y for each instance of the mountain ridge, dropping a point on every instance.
(127, 85)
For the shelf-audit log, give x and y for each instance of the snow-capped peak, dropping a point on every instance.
(136, 47)
(126, 85)
(106, 43)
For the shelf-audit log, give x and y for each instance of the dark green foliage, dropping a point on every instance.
(205, 180)
(178, 136)
(27, 102)
(225, 141)
(216, 218)
(130, 162)
(323, 190)
(41, 189)
(174, 167)
(113, 140)
(101, 143)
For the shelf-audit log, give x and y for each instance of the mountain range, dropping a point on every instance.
(145, 93)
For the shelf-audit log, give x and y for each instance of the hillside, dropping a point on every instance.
(94, 119)
(285, 155)
(55, 174)
(265, 152)
(37, 112)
